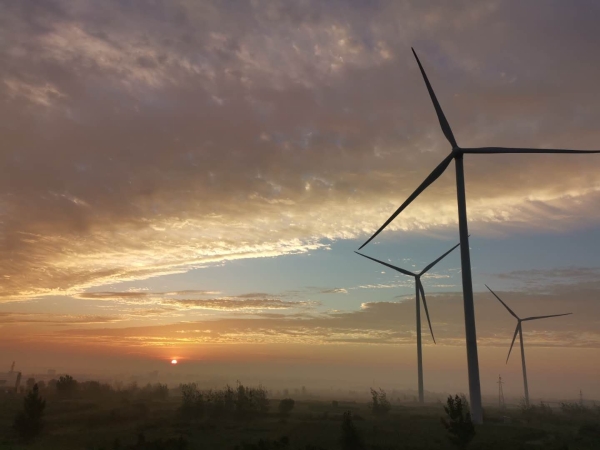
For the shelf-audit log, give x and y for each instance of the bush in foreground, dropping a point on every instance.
(458, 421)
(380, 405)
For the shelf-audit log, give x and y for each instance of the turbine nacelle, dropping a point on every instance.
(457, 152)
(417, 277)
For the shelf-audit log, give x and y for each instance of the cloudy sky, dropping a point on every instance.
(190, 179)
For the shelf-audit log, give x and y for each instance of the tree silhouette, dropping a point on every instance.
(66, 386)
(28, 422)
(30, 383)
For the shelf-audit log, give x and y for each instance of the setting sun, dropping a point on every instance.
(173, 361)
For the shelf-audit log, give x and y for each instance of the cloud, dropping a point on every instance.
(382, 323)
(141, 296)
(14, 318)
(144, 141)
(241, 304)
(334, 291)
(178, 301)
(573, 274)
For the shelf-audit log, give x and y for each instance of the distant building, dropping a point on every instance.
(51, 372)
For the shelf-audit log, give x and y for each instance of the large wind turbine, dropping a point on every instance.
(520, 331)
(418, 288)
(456, 154)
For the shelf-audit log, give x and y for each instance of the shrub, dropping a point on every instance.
(28, 422)
(527, 410)
(30, 383)
(66, 386)
(573, 409)
(243, 402)
(285, 406)
(380, 405)
(192, 402)
(156, 391)
(458, 422)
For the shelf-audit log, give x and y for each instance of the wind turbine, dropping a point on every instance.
(418, 289)
(519, 330)
(456, 154)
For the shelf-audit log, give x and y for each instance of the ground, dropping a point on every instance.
(97, 424)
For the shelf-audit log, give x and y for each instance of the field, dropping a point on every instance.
(116, 422)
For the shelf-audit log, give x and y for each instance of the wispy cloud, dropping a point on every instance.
(54, 319)
(335, 291)
(382, 323)
(140, 142)
(179, 300)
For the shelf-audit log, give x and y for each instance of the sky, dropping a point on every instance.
(189, 179)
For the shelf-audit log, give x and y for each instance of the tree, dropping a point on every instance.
(28, 422)
(260, 399)
(30, 383)
(66, 386)
(285, 406)
(192, 401)
(458, 423)
(351, 439)
(380, 405)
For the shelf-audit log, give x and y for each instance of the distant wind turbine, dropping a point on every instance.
(520, 331)
(419, 292)
(456, 154)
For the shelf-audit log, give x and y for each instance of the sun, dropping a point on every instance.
(173, 361)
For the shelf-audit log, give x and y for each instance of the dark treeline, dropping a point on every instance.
(66, 387)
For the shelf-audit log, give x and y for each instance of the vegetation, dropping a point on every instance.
(28, 422)
(242, 403)
(458, 421)
(66, 386)
(380, 405)
(98, 416)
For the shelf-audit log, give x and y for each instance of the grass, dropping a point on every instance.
(94, 425)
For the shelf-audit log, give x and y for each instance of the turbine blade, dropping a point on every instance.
(545, 317)
(513, 341)
(426, 310)
(505, 305)
(434, 175)
(405, 272)
(438, 109)
(438, 260)
(490, 150)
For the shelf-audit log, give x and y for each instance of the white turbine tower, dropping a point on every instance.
(420, 292)
(519, 330)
